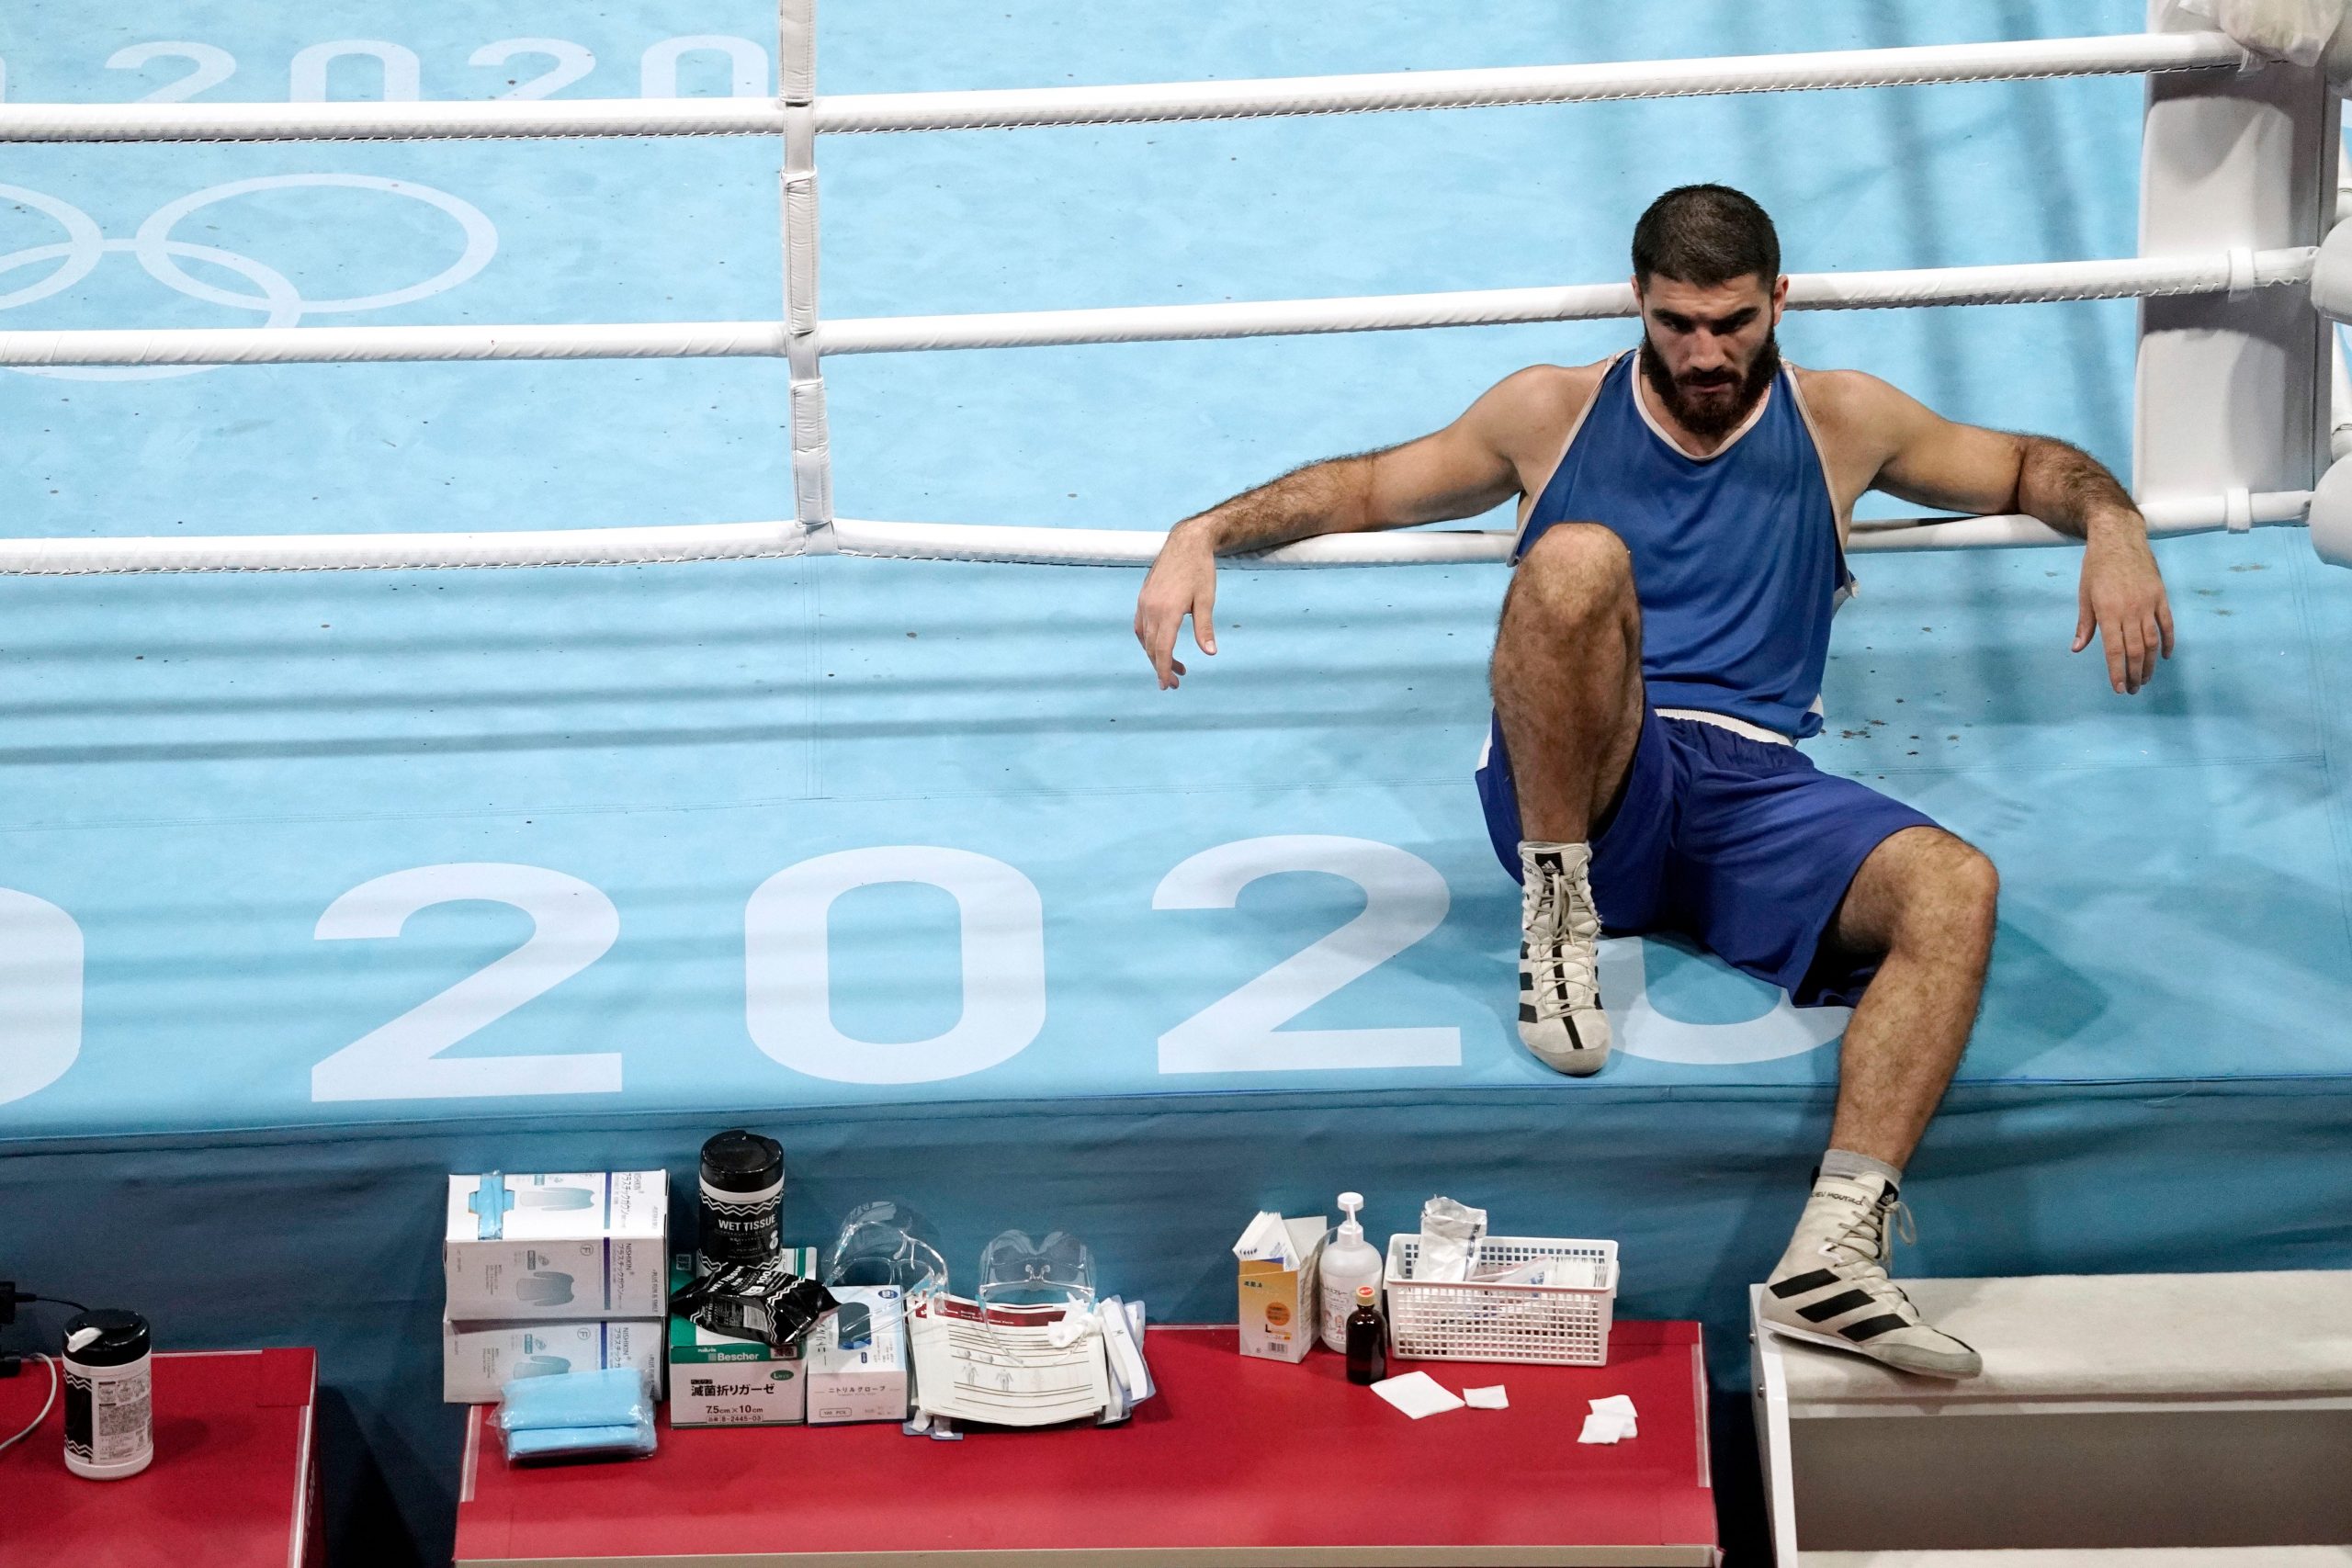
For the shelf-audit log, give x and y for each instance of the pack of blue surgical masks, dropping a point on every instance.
(601, 1414)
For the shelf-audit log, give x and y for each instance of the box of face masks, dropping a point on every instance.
(857, 1357)
(478, 1359)
(591, 1246)
(715, 1380)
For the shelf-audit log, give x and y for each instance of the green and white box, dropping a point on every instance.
(717, 1380)
(478, 1359)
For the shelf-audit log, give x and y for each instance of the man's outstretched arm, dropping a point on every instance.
(1934, 461)
(1459, 471)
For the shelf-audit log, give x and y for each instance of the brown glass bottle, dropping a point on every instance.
(1367, 1340)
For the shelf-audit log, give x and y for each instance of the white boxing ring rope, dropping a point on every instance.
(2126, 277)
(798, 114)
(2237, 512)
(2125, 54)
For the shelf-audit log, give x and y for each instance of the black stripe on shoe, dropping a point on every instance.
(1837, 1305)
(1871, 1327)
(1797, 1285)
(1526, 1012)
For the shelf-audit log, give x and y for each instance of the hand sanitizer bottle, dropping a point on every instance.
(1349, 1262)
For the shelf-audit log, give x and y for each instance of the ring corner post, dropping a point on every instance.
(811, 454)
(2232, 390)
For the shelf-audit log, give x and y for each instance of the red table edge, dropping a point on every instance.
(1698, 1396)
(285, 1376)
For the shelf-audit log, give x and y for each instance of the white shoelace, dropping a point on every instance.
(1560, 927)
(1870, 1226)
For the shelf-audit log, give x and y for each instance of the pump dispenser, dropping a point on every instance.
(1349, 1263)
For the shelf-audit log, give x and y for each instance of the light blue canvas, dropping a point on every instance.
(910, 865)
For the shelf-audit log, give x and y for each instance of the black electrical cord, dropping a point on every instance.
(57, 1301)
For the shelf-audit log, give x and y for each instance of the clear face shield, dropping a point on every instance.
(888, 1243)
(1026, 1282)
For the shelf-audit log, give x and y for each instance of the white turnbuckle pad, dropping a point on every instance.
(2189, 1418)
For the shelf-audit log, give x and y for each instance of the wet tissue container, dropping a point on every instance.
(742, 1200)
(110, 1419)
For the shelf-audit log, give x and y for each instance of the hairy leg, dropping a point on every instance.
(1925, 901)
(1568, 679)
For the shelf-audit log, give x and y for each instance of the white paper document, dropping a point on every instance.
(1417, 1394)
(1004, 1368)
(1487, 1398)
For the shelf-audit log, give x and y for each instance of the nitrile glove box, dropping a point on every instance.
(478, 1359)
(533, 1247)
(717, 1380)
(857, 1356)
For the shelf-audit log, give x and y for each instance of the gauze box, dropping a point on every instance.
(718, 1381)
(587, 1246)
(478, 1359)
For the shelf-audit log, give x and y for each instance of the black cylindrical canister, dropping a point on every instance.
(110, 1419)
(743, 1198)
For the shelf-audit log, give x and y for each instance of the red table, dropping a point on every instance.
(233, 1482)
(1238, 1461)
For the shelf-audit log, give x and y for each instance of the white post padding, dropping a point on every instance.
(812, 459)
(2232, 388)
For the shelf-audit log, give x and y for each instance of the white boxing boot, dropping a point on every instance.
(1831, 1286)
(1559, 977)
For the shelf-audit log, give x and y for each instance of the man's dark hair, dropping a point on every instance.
(1704, 235)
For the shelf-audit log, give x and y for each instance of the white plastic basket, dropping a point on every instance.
(1476, 1321)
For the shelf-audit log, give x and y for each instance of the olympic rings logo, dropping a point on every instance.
(273, 294)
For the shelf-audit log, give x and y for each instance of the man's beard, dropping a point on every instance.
(1711, 418)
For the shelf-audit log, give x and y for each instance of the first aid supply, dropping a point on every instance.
(1366, 1334)
(1449, 1234)
(743, 1198)
(109, 1410)
(857, 1357)
(718, 1379)
(574, 1246)
(478, 1359)
(1278, 1262)
(766, 1301)
(1010, 1366)
(577, 1416)
(1527, 1299)
(1613, 1420)
(1349, 1263)
(1417, 1394)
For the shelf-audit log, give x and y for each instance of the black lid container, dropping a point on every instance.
(742, 1198)
(123, 1337)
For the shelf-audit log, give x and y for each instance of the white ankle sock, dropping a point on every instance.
(1846, 1163)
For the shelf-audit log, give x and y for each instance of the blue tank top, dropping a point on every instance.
(1735, 555)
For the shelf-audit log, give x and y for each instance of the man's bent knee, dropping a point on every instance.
(1581, 562)
(1949, 890)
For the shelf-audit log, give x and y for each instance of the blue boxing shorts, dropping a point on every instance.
(1743, 845)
